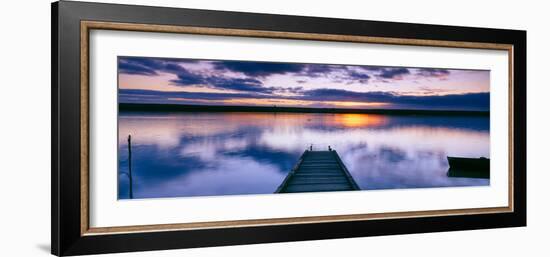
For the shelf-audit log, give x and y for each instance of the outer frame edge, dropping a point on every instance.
(54, 131)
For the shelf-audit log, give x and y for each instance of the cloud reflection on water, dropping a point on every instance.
(191, 154)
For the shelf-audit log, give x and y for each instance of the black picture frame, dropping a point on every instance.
(66, 235)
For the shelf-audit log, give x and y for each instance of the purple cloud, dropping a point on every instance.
(432, 72)
(259, 69)
(471, 101)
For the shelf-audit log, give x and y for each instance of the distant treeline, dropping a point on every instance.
(231, 108)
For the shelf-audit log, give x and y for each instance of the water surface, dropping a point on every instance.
(204, 154)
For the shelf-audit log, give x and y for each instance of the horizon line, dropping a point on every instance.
(160, 107)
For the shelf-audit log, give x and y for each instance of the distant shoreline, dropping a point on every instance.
(131, 107)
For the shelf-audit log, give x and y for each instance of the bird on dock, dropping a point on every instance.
(330, 149)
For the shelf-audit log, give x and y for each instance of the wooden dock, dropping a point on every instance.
(318, 171)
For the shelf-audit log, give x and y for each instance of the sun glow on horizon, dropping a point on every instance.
(269, 102)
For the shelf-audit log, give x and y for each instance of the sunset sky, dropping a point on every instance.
(251, 83)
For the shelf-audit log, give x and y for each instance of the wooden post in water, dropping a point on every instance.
(130, 165)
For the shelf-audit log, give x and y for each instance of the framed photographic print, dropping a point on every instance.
(177, 128)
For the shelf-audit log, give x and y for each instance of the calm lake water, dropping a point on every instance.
(204, 154)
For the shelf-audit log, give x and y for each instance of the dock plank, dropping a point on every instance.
(318, 171)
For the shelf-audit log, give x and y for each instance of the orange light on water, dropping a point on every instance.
(359, 120)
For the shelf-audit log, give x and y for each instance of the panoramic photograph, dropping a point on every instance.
(197, 127)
